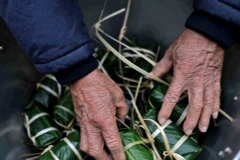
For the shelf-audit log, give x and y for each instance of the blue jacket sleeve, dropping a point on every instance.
(217, 19)
(53, 35)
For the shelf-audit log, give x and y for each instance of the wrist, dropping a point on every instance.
(214, 28)
(198, 37)
(77, 71)
(194, 41)
(86, 79)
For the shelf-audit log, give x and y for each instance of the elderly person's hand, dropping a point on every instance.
(197, 64)
(98, 101)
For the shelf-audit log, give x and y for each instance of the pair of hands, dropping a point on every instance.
(197, 63)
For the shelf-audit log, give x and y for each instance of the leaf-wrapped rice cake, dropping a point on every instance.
(63, 113)
(179, 143)
(48, 91)
(67, 149)
(41, 129)
(134, 146)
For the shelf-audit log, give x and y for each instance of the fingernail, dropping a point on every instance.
(215, 115)
(162, 121)
(189, 132)
(203, 129)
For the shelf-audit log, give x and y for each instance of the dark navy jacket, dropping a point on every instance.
(53, 34)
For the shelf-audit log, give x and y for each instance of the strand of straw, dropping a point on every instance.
(107, 45)
(135, 99)
(130, 48)
(151, 140)
(165, 139)
(226, 115)
(125, 125)
(124, 27)
(138, 88)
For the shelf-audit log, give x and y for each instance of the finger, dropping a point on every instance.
(163, 66)
(84, 140)
(217, 95)
(207, 109)
(173, 94)
(96, 144)
(195, 96)
(122, 110)
(113, 140)
(83, 131)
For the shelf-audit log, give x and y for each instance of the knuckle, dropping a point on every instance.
(84, 147)
(171, 98)
(106, 123)
(95, 152)
(120, 92)
(206, 117)
(197, 107)
(94, 120)
(204, 121)
(190, 123)
(216, 107)
(114, 145)
(125, 107)
(209, 103)
(125, 112)
(118, 96)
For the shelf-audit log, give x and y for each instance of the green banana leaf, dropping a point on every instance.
(67, 149)
(41, 129)
(110, 61)
(196, 135)
(188, 149)
(138, 151)
(63, 112)
(131, 73)
(140, 62)
(156, 98)
(48, 92)
(142, 101)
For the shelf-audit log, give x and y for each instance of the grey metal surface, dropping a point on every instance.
(160, 21)
(227, 133)
(17, 81)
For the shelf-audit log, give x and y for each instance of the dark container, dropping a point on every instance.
(159, 21)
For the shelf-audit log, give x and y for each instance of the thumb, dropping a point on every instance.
(122, 110)
(163, 66)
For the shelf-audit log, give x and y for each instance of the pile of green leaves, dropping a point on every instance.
(41, 128)
(53, 103)
(66, 149)
(63, 112)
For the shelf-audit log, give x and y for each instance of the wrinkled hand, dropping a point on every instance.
(197, 64)
(98, 101)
